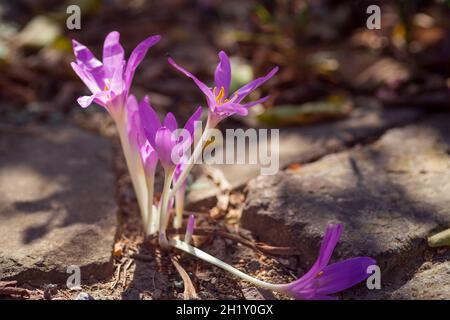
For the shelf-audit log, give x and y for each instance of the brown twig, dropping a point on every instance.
(125, 270)
(258, 246)
(117, 276)
(8, 288)
(189, 290)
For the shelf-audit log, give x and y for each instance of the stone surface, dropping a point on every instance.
(430, 284)
(57, 204)
(307, 143)
(389, 195)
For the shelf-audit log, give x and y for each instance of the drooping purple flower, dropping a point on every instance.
(109, 80)
(220, 103)
(167, 140)
(323, 280)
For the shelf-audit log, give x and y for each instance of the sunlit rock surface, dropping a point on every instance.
(390, 195)
(57, 204)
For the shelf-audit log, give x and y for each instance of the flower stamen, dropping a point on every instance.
(220, 95)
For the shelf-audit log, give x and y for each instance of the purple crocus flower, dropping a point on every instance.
(165, 138)
(220, 103)
(109, 81)
(137, 137)
(149, 157)
(322, 279)
(135, 133)
(181, 166)
(142, 160)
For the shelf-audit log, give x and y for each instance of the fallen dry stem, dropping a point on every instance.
(189, 290)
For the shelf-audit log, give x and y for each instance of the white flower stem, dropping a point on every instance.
(150, 179)
(190, 163)
(163, 219)
(181, 245)
(179, 207)
(135, 167)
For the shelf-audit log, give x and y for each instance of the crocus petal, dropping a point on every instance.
(170, 122)
(149, 120)
(222, 76)
(134, 127)
(326, 251)
(179, 169)
(190, 123)
(89, 65)
(343, 275)
(207, 91)
(99, 98)
(322, 280)
(329, 242)
(164, 144)
(137, 55)
(245, 90)
(84, 56)
(149, 158)
(113, 53)
(85, 101)
(86, 77)
(117, 83)
(232, 108)
(254, 103)
(183, 144)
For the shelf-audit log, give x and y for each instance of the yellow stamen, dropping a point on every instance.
(107, 82)
(319, 274)
(221, 94)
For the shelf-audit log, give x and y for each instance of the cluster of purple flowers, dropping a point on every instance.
(147, 141)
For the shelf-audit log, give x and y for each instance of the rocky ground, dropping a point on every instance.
(67, 200)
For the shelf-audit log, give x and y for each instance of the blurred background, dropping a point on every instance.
(327, 56)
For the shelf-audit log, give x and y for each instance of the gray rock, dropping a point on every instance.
(84, 296)
(202, 193)
(50, 290)
(431, 284)
(390, 196)
(307, 143)
(57, 204)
